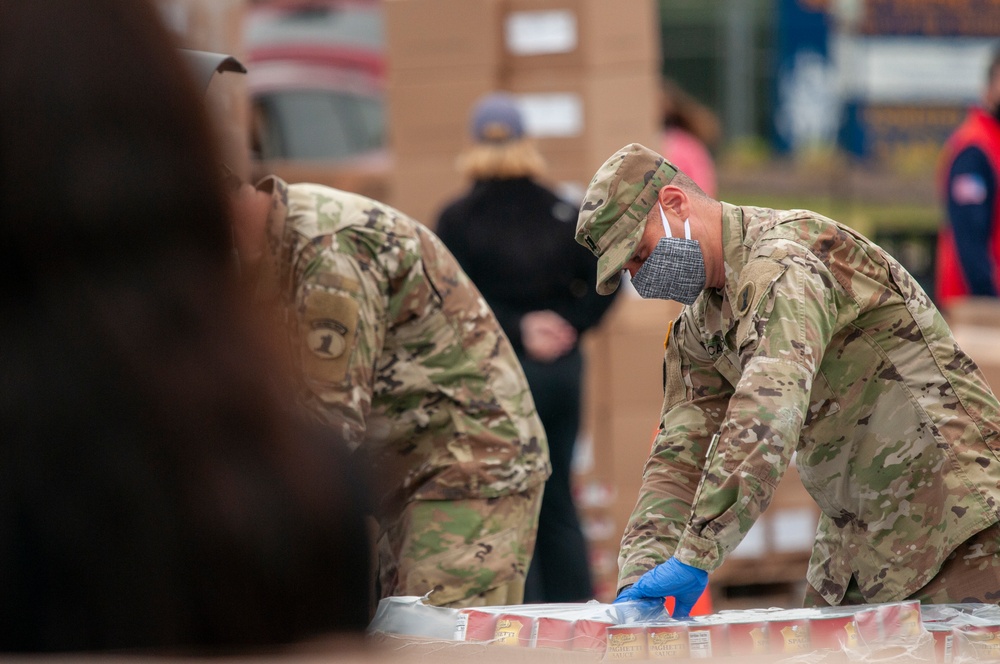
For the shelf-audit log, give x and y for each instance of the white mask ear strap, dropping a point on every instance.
(666, 226)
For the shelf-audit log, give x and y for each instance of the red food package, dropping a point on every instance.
(978, 641)
(900, 619)
(667, 641)
(869, 624)
(625, 642)
(788, 636)
(708, 639)
(590, 635)
(513, 629)
(833, 631)
(475, 625)
(552, 632)
(944, 642)
(748, 637)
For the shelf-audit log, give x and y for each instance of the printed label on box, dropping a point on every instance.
(667, 642)
(626, 642)
(700, 644)
(551, 115)
(540, 32)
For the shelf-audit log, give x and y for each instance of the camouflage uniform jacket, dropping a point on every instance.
(399, 351)
(819, 344)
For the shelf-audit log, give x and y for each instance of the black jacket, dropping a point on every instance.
(515, 240)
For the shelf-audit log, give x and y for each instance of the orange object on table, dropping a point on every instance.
(702, 607)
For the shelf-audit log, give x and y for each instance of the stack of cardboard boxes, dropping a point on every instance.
(442, 56)
(975, 322)
(585, 74)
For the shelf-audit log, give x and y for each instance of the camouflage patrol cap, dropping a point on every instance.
(613, 214)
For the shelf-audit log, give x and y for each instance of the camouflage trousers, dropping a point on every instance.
(472, 552)
(971, 573)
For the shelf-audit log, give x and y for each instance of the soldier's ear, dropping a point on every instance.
(674, 199)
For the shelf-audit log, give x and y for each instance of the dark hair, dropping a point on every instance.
(156, 490)
(994, 64)
(680, 109)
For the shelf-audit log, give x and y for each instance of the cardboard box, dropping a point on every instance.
(572, 170)
(429, 111)
(975, 311)
(441, 33)
(975, 322)
(578, 33)
(421, 186)
(624, 438)
(570, 112)
(626, 358)
(980, 343)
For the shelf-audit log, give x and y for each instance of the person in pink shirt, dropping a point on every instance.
(690, 131)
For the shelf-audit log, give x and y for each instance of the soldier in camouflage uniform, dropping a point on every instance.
(403, 357)
(802, 337)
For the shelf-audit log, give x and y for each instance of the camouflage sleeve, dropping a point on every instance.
(791, 309)
(341, 306)
(694, 405)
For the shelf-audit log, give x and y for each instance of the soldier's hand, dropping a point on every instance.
(671, 579)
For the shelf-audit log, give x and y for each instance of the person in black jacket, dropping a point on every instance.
(513, 236)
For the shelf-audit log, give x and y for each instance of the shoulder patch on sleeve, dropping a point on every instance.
(755, 282)
(328, 329)
(744, 298)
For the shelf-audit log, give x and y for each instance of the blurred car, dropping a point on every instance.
(316, 80)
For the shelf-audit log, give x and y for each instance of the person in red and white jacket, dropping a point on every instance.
(968, 255)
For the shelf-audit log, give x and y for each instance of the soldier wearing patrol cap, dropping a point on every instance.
(800, 336)
(402, 356)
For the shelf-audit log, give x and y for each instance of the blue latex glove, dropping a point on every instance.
(671, 579)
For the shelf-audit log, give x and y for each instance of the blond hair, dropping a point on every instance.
(502, 161)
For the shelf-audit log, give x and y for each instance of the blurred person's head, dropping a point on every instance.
(680, 109)
(222, 78)
(500, 148)
(155, 489)
(991, 95)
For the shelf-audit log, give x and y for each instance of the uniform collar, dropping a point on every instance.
(714, 307)
(734, 247)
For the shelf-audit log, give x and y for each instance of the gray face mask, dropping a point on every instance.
(675, 270)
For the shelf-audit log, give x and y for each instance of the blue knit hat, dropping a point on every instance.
(496, 119)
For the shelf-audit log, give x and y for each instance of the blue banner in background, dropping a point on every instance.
(932, 18)
(806, 104)
(886, 81)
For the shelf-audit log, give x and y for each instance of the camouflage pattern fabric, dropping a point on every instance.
(463, 552)
(400, 354)
(970, 573)
(820, 345)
